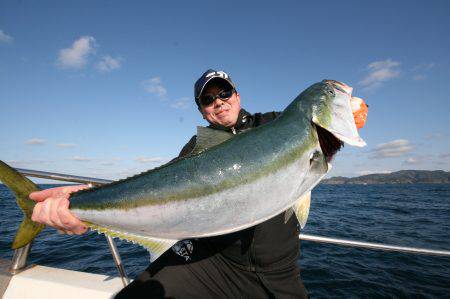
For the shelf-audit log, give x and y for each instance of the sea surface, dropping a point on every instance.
(406, 215)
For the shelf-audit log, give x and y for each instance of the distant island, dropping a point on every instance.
(397, 177)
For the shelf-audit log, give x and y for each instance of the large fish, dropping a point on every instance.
(228, 183)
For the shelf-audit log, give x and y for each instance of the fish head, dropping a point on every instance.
(339, 87)
(332, 111)
(327, 105)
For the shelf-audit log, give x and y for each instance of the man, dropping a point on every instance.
(258, 262)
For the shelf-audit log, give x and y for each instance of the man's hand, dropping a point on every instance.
(52, 208)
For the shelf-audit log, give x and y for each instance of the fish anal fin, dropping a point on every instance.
(155, 246)
(207, 138)
(300, 209)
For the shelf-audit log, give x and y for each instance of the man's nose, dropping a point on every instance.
(218, 102)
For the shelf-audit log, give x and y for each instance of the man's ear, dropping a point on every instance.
(201, 111)
(238, 97)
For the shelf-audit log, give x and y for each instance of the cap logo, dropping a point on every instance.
(220, 74)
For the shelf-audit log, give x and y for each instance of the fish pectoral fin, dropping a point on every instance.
(301, 209)
(207, 138)
(288, 214)
(155, 246)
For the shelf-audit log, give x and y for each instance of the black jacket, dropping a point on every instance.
(268, 246)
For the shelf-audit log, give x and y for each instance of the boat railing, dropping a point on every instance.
(20, 256)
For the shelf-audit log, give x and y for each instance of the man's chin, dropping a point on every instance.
(223, 118)
(225, 122)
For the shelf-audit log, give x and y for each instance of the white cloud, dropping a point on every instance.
(5, 38)
(149, 159)
(419, 77)
(391, 144)
(76, 56)
(110, 162)
(411, 160)
(80, 159)
(366, 172)
(424, 67)
(66, 145)
(395, 148)
(379, 72)
(444, 156)
(124, 173)
(435, 136)
(20, 163)
(181, 103)
(35, 141)
(153, 85)
(108, 63)
(417, 160)
(420, 69)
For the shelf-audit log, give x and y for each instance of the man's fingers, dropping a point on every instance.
(54, 192)
(54, 213)
(71, 189)
(52, 208)
(36, 212)
(79, 230)
(70, 223)
(45, 215)
(44, 194)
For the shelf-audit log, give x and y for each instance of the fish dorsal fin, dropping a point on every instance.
(207, 138)
(155, 246)
(301, 209)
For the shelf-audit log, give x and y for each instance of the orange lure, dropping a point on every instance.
(360, 110)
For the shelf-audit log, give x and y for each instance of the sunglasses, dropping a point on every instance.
(208, 99)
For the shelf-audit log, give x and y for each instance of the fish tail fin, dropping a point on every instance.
(22, 187)
(336, 115)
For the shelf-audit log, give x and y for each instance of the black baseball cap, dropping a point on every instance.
(206, 78)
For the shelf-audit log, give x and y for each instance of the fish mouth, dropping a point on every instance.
(340, 122)
(338, 126)
(329, 144)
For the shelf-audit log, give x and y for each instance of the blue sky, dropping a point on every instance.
(105, 88)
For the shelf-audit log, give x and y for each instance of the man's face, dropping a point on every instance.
(221, 112)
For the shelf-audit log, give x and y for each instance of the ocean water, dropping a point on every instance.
(406, 215)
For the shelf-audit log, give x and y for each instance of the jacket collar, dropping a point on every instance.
(241, 123)
(243, 120)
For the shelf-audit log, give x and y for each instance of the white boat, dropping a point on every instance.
(19, 281)
(36, 282)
